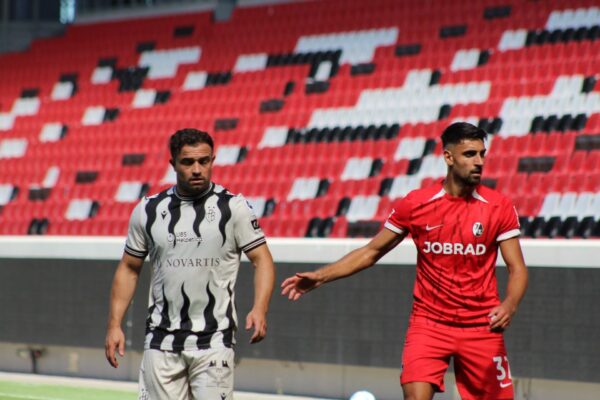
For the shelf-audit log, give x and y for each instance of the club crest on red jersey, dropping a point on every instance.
(477, 229)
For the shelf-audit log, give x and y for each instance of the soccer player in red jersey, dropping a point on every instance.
(457, 225)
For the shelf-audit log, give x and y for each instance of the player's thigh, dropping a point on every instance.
(163, 375)
(481, 367)
(211, 373)
(426, 356)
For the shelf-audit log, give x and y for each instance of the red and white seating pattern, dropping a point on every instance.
(67, 131)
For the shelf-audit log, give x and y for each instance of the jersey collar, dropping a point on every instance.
(190, 198)
(475, 194)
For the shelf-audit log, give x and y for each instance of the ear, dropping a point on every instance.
(448, 157)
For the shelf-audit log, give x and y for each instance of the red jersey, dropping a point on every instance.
(457, 243)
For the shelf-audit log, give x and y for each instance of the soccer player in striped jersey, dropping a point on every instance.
(194, 233)
(457, 225)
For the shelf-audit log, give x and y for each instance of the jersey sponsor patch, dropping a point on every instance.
(255, 224)
(454, 248)
(183, 237)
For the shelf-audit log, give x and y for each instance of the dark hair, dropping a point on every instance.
(459, 131)
(188, 136)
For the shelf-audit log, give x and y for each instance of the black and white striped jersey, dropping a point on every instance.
(195, 246)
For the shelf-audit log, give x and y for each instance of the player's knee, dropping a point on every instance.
(415, 396)
(418, 391)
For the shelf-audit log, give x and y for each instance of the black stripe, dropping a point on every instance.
(175, 212)
(211, 325)
(186, 322)
(204, 339)
(184, 332)
(254, 247)
(135, 253)
(254, 244)
(179, 338)
(149, 319)
(158, 335)
(165, 321)
(228, 333)
(200, 214)
(223, 203)
(151, 207)
(211, 322)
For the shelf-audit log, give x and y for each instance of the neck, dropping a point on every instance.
(455, 188)
(199, 193)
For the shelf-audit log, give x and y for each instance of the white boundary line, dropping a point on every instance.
(67, 381)
(23, 396)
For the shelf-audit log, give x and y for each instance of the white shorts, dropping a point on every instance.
(195, 374)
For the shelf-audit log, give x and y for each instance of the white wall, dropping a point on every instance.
(537, 252)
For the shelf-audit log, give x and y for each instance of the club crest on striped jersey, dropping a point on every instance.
(211, 214)
(477, 229)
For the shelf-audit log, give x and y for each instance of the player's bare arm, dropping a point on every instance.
(123, 288)
(501, 316)
(355, 261)
(264, 282)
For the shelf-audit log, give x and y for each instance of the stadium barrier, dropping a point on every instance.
(55, 290)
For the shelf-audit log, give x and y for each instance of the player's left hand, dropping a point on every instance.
(257, 319)
(501, 316)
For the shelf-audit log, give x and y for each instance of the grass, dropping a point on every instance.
(15, 386)
(28, 391)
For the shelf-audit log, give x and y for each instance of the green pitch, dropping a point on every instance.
(27, 391)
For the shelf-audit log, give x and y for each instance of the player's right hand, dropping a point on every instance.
(299, 284)
(115, 342)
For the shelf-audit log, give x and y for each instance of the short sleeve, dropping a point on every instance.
(247, 231)
(136, 244)
(399, 219)
(509, 226)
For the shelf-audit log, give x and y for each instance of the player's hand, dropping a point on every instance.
(115, 342)
(501, 316)
(258, 320)
(299, 284)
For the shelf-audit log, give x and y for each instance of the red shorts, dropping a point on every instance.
(480, 363)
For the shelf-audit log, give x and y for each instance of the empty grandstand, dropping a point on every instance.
(324, 112)
(320, 120)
